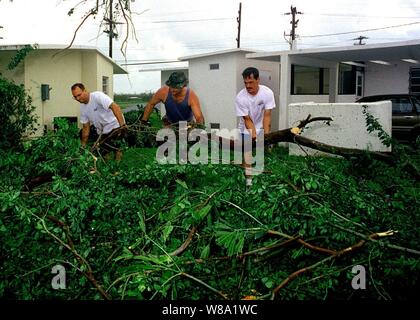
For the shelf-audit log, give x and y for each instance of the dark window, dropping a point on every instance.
(309, 80)
(401, 105)
(214, 125)
(414, 81)
(214, 66)
(105, 85)
(347, 79)
(416, 104)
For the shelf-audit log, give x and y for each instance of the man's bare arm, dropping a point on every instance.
(196, 108)
(118, 113)
(267, 121)
(249, 124)
(157, 97)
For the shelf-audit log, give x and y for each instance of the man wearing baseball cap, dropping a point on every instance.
(181, 103)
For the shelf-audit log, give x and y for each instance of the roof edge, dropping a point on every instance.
(117, 69)
(213, 53)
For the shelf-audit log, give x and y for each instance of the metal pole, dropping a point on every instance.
(110, 29)
(238, 39)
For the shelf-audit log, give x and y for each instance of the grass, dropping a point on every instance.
(138, 157)
(127, 103)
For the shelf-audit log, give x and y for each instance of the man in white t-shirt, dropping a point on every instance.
(98, 109)
(253, 105)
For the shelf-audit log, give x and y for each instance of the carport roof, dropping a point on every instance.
(381, 51)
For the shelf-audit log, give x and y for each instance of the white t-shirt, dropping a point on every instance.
(254, 106)
(98, 113)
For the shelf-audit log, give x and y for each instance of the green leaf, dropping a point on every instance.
(232, 241)
(205, 252)
(202, 213)
(167, 231)
(182, 183)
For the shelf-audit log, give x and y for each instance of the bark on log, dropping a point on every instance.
(286, 135)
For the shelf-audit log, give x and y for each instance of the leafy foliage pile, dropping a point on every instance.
(139, 230)
(16, 116)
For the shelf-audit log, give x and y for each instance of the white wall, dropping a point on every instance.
(346, 98)
(386, 79)
(60, 72)
(301, 98)
(348, 128)
(104, 69)
(216, 89)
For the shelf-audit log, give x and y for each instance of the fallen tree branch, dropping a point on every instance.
(391, 246)
(304, 243)
(70, 246)
(287, 135)
(186, 243)
(333, 256)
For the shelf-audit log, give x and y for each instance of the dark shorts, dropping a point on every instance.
(112, 141)
(167, 122)
(247, 144)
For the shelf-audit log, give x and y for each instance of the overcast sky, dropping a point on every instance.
(168, 29)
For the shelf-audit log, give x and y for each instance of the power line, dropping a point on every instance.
(345, 15)
(358, 31)
(191, 20)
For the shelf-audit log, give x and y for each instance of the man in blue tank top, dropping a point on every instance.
(181, 103)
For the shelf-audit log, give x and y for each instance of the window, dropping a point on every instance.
(310, 80)
(214, 125)
(105, 85)
(359, 83)
(416, 104)
(214, 66)
(350, 79)
(347, 79)
(414, 81)
(401, 105)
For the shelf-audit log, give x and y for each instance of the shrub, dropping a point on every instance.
(16, 116)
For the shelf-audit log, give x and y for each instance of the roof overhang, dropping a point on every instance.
(213, 53)
(373, 52)
(117, 69)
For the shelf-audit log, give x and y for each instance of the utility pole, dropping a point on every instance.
(111, 24)
(360, 40)
(294, 24)
(238, 39)
(111, 29)
(0, 28)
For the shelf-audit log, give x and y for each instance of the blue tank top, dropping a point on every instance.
(176, 112)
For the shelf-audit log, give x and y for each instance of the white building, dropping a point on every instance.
(48, 72)
(216, 77)
(344, 74)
